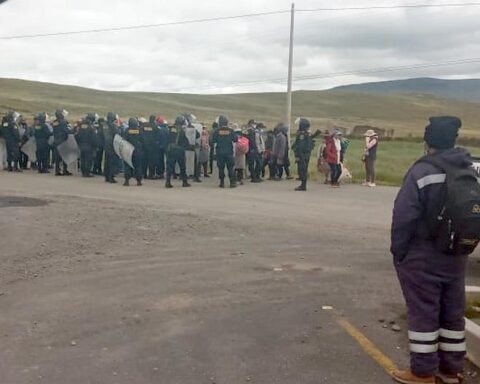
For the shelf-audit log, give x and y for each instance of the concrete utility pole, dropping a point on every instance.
(290, 67)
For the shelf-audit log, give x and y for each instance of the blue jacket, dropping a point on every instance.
(419, 200)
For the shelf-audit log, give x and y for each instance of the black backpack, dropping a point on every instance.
(456, 227)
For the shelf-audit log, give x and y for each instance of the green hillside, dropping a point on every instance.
(407, 114)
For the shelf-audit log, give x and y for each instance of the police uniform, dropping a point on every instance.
(177, 143)
(12, 138)
(163, 133)
(61, 130)
(99, 140)
(110, 129)
(86, 143)
(134, 135)
(42, 134)
(302, 147)
(150, 139)
(433, 282)
(224, 139)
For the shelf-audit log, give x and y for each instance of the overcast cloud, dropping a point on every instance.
(213, 57)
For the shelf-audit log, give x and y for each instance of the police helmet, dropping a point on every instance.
(13, 116)
(303, 124)
(222, 121)
(181, 121)
(42, 117)
(132, 122)
(61, 113)
(111, 117)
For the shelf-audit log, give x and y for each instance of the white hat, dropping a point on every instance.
(370, 133)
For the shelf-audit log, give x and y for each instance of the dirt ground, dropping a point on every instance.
(103, 284)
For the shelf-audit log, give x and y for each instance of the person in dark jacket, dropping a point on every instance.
(135, 137)
(224, 139)
(150, 140)
(110, 129)
(25, 134)
(176, 146)
(61, 130)
(86, 143)
(255, 151)
(42, 134)
(302, 147)
(162, 146)
(433, 282)
(11, 134)
(99, 140)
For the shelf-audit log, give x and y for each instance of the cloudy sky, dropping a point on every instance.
(224, 56)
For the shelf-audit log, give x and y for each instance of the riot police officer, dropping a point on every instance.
(302, 147)
(224, 139)
(61, 130)
(163, 133)
(99, 140)
(150, 139)
(109, 131)
(42, 134)
(86, 142)
(135, 137)
(11, 134)
(177, 144)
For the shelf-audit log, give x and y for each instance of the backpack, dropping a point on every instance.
(456, 228)
(242, 145)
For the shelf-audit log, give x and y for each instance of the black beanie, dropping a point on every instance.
(442, 131)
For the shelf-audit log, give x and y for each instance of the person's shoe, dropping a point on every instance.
(185, 184)
(450, 379)
(197, 180)
(233, 184)
(222, 184)
(365, 184)
(407, 377)
(168, 184)
(139, 183)
(277, 178)
(335, 185)
(126, 183)
(301, 188)
(58, 174)
(206, 175)
(372, 185)
(256, 181)
(66, 173)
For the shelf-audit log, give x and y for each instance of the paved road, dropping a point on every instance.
(105, 284)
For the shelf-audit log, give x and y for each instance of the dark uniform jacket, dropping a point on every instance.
(86, 137)
(177, 139)
(150, 136)
(421, 197)
(42, 134)
(109, 132)
(224, 138)
(303, 145)
(135, 137)
(10, 133)
(61, 129)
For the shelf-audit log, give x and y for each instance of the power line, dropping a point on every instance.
(399, 6)
(249, 15)
(366, 71)
(144, 26)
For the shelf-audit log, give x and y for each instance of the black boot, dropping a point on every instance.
(168, 184)
(222, 183)
(126, 183)
(233, 184)
(139, 183)
(301, 187)
(185, 183)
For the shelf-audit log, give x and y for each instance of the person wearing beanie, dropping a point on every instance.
(431, 278)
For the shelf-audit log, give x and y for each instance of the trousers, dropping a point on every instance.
(433, 285)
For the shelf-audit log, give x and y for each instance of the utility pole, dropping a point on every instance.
(290, 67)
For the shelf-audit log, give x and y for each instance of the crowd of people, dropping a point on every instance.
(184, 150)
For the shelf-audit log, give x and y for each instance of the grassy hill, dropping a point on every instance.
(407, 114)
(463, 89)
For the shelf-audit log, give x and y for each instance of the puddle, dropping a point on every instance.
(18, 201)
